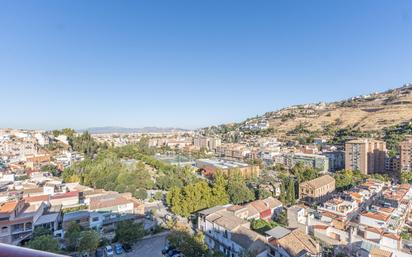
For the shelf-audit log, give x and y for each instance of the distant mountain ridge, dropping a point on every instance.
(108, 129)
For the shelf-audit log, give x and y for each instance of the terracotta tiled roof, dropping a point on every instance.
(392, 236)
(8, 207)
(380, 253)
(329, 214)
(66, 195)
(321, 227)
(38, 198)
(273, 202)
(376, 215)
(319, 182)
(386, 210)
(260, 205)
(355, 195)
(235, 208)
(107, 202)
(298, 242)
(375, 230)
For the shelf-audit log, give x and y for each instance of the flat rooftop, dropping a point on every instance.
(222, 164)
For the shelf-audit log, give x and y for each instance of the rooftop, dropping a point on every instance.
(75, 215)
(278, 232)
(319, 182)
(8, 207)
(376, 215)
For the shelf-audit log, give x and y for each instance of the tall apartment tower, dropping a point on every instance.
(365, 155)
(405, 152)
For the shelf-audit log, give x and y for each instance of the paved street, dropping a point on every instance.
(151, 247)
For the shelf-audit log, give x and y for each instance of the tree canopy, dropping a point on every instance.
(44, 243)
(128, 232)
(237, 189)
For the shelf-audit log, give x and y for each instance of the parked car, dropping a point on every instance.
(118, 249)
(99, 252)
(173, 253)
(127, 248)
(168, 248)
(109, 251)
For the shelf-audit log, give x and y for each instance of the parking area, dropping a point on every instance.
(151, 247)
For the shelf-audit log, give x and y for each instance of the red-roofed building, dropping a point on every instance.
(66, 200)
(374, 219)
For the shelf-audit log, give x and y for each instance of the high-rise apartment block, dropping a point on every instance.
(365, 155)
(405, 152)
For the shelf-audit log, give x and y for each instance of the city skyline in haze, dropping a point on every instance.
(192, 64)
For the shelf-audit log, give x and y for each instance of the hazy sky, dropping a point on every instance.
(192, 63)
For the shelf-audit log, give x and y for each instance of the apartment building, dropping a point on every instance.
(209, 143)
(315, 161)
(366, 155)
(405, 153)
(317, 189)
(392, 165)
(336, 160)
(233, 151)
(17, 219)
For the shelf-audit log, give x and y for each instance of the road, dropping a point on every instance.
(150, 247)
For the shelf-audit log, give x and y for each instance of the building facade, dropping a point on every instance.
(366, 155)
(405, 153)
(316, 189)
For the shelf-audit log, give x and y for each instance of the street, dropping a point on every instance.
(150, 247)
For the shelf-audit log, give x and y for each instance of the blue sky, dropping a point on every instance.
(192, 63)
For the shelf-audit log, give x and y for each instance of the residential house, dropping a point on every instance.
(291, 243)
(229, 234)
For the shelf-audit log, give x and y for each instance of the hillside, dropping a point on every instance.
(365, 113)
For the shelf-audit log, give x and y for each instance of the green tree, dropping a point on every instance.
(72, 235)
(406, 177)
(220, 195)
(44, 243)
(238, 191)
(189, 245)
(158, 196)
(263, 193)
(347, 179)
(140, 194)
(128, 232)
(261, 226)
(51, 168)
(283, 192)
(174, 199)
(89, 241)
(291, 197)
(40, 231)
(282, 219)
